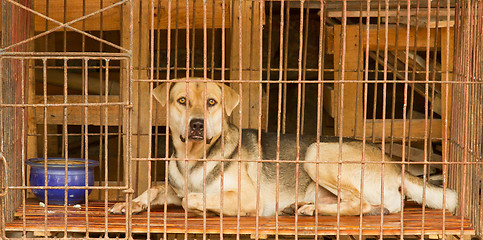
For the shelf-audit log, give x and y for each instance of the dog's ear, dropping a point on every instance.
(231, 99)
(160, 93)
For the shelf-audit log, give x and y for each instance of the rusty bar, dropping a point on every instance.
(158, 76)
(44, 86)
(150, 114)
(320, 103)
(364, 121)
(299, 99)
(106, 149)
(223, 62)
(240, 122)
(395, 72)
(279, 117)
(304, 68)
(413, 77)
(294, 161)
(65, 148)
(166, 146)
(86, 137)
(384, 102)
(426, 109)
(186, 180)
(102, 168)
(205, 75)
(269, 59)
(260, 106)
(213, 30)
(176, 37)
(193, 38)
(343, 39)
(24, 75)
(285, 67)
(311, 81)
(405, 101)
(467, 68)
(445, 143)
(376, 75)
(129, 93)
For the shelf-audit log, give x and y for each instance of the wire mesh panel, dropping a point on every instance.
(466, 130)
(66, 105)
(237, 119)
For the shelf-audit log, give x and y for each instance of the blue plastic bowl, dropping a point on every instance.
(76, 176)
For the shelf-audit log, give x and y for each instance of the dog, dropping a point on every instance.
(198, 121)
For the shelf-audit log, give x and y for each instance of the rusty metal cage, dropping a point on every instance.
(78, 78)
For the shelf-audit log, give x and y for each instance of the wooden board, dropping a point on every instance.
(417, 128)
(96, 220)
(249, 47)
(350, 117)
(111, 19)
(141, 92)
(447, 50)
(420, 36)
(75, 114)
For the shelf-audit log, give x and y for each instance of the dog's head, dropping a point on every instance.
(196, 107)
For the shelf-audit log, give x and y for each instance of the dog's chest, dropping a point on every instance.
(195, 173)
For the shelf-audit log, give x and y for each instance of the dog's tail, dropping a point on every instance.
(413, 188)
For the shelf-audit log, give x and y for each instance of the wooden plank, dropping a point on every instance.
(55, 114)
(111, 19)
(141, 97)
(446, 89)
(32, 138)
(402, 13)
(249, 60)
(417, 129)
(420, 36)
(175, 222)
(412, 154)
(330, 100)
(352, 92)
(75, 81)
(374, 34)
(213, 12)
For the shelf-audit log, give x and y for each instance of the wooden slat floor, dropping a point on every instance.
(53, 218)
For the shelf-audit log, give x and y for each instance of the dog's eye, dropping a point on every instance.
(211, 102)
(181, 100)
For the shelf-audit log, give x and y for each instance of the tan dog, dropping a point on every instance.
(198, 123)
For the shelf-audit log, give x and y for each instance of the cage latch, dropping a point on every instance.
(4, 187)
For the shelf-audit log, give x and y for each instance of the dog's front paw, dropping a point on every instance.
(118, 208)
(121, 208)
(308, 210)
(291, 209)
(194, 201)
(376, 210)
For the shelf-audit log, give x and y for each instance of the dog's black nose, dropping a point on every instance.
(197, 125)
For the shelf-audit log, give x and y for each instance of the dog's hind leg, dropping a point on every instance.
(153, 196)
(342, 180)
(350, 205)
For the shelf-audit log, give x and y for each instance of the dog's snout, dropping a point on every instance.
(197, 125)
